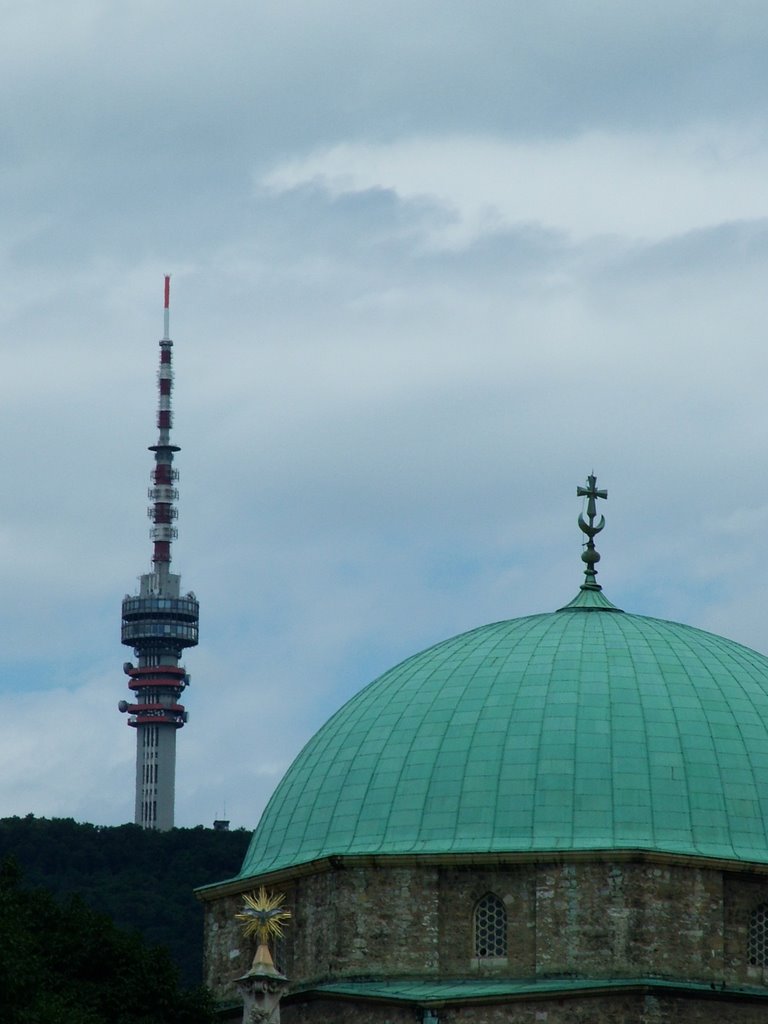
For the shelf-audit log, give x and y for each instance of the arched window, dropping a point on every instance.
(758, 936)
(490, 927)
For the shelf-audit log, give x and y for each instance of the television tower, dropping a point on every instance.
(158, 625)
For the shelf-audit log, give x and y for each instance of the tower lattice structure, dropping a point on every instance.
(158, 624)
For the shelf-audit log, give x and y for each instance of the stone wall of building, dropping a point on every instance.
(386, 922)
(603, 919)
(629, 920)
(227, 955)
(346, 922)
(340, 1011)
(570, 918)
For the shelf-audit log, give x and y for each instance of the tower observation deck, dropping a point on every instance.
(158, 624)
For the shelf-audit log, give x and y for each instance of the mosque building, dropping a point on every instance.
(561, 818)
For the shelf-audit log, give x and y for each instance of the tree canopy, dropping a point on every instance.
(64, 963)
(143, 880)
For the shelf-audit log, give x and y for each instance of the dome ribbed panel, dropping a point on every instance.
(579, 730)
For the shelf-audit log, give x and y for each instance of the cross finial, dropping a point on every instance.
(590, 556)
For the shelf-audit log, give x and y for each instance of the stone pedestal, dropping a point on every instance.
(262, 989)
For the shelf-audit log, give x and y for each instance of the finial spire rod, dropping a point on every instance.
(590, 556)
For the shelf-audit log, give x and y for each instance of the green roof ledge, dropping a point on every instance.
(590, 597)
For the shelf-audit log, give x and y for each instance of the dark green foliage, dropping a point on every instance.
(63, 963)
(141, 879)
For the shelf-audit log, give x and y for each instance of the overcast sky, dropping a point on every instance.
(432, 263)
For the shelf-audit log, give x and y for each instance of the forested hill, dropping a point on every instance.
(142, 879)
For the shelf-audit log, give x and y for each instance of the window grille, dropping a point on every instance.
(491, 927)
(758, 936)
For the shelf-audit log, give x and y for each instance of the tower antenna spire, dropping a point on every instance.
(163, 512)
(158, 624)
(167, 308)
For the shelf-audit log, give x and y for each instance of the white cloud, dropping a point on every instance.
(640, 187)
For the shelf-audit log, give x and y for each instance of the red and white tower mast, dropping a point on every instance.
(158, 624)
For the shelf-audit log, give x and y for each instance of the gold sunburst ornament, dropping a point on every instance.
(264, 916)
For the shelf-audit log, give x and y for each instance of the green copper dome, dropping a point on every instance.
(584, 729)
